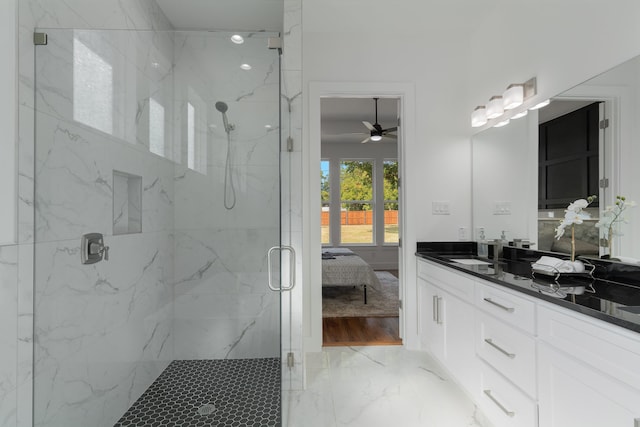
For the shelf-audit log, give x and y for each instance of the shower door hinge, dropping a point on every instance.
(400, 304)
(289, 144)
(40, 39)
(275, 43)
(604, 183)
(604, 124)
(290, 360)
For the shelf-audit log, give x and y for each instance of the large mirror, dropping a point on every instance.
(527, 172)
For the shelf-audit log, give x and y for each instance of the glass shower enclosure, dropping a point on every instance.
(157, 185)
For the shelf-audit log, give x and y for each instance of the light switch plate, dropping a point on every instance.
(441, 208)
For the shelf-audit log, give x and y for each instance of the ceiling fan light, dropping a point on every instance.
(494, 107)
(513, 97)
(479, 116)
(376, 138)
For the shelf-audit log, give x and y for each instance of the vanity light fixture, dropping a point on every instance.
(494, 107)
(237, 39)
(540, 105)
(513, 97)
(520, 114)
(479, 116)
(245, 67)
(502, 123)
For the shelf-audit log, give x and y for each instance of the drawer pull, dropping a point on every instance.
(505, 308)
(435, 308)
(494, 400)
(438, 310)
(500, 349)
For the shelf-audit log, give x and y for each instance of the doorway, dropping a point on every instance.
(359, 222)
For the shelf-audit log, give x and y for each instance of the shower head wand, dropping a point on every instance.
(223, 107)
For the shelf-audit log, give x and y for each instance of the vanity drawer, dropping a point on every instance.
(510, 351)
(458, 284)
(503, 403)
(514, 310)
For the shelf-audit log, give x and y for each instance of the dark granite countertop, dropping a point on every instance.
(613, 301)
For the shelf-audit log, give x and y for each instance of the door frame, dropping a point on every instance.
(312, 264)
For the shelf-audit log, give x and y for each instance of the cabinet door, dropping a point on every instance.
(572, 393)
(431, 319)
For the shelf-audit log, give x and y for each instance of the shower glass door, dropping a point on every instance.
(163, 148)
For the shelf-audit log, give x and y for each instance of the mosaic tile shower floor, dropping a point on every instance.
(229, 392)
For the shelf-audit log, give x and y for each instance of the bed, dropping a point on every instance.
(342, 267)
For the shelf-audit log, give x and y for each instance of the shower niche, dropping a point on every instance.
(127, 203)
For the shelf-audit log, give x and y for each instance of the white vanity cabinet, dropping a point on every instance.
(589, 372)
(506, 344)
(445, 320)
(528, 362)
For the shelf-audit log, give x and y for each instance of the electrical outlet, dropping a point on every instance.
(480, 233)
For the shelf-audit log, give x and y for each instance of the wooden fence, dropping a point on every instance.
(360, 217)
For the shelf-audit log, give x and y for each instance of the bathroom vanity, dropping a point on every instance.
(530, 354)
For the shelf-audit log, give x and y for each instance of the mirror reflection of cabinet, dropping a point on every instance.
(617, 93)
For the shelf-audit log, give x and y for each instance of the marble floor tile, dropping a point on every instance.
(377, 386)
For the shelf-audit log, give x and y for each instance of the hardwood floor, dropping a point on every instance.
(361, 331)
(358, 331)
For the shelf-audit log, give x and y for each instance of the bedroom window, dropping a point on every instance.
(356, 202)
(390, 177)
(325, 193)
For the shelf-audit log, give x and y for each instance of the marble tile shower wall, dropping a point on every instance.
(102, 331)
(223, 306)
(16, 361)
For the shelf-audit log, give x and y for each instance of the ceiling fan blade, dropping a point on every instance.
(365, 140)
(387, 135)
(368, 125)
(393, 129)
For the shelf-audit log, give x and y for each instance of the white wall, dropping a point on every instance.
(341, 45)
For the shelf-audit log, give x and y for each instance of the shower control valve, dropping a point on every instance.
(93, 249)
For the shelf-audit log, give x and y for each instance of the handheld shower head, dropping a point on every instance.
(223, 107)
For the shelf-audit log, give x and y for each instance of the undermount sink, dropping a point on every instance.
(470, 261)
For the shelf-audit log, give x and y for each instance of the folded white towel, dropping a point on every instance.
(557, 265)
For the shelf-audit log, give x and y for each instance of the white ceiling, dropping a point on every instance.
(238, 15)
(341, 118)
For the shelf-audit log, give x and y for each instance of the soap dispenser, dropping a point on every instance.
(483, 245)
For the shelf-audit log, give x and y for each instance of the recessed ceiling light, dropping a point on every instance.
(245, 67)
(268, 126)
(237, 39)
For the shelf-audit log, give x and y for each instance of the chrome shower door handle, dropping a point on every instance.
(292, 267)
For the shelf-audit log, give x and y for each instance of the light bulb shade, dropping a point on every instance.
(520, 114)
(479, 116)
(376, 138)
(494, 107)
(540, 105)
(513, 97)
(502, 123)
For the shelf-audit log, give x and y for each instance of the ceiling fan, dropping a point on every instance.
(376, 133)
